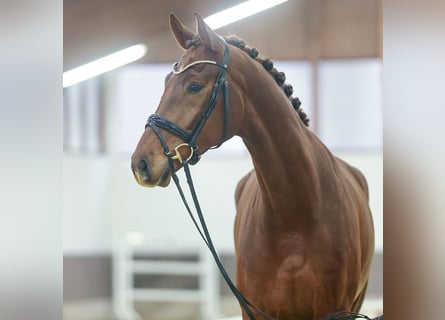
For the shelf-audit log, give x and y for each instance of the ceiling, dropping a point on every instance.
(297, 29)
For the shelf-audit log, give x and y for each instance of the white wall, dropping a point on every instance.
(350, 103)
(159, 213)
(102, 202)
(86, 194)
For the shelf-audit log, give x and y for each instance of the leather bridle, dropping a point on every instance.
(157, 122)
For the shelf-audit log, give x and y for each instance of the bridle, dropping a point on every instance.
(157, 122)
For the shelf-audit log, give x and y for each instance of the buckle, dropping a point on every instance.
(178, 156)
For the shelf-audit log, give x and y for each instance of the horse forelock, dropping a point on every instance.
(195, 41)
(280, 77)
(195, 52)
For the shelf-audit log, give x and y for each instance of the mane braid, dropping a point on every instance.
(280, 77)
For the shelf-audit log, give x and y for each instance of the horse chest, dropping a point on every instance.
(276, 272)
(273, 266)
(280, 288)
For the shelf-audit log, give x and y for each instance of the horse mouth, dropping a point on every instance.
(165, 178)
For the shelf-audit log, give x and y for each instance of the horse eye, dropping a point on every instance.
(194, 87)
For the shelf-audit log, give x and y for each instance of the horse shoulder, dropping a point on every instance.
(365, 219)
(357, 176)
(244, 194)
(241, 185)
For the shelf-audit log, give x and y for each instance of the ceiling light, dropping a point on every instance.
(239, 12)
(103, 65)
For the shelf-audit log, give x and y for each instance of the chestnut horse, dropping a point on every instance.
(304, 235)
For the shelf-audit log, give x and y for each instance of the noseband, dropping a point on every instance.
(157, 122)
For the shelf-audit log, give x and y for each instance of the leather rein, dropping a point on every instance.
(157, 122)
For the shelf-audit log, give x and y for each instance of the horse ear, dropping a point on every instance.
(181, 33)
(210, 39)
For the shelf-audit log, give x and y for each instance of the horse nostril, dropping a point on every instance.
(142, 165)
(142, 168)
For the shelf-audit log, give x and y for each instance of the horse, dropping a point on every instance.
(303, 230)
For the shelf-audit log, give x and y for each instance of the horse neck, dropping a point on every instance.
(283, 151)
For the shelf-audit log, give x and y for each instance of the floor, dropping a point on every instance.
(101, 309)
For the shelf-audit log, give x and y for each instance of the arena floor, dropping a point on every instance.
(101, 310)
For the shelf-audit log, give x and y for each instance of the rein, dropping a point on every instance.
(157, 122)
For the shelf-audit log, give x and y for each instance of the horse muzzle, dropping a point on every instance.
(150, 175)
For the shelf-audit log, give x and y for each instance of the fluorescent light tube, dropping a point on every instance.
(239, 12)
(103, 65)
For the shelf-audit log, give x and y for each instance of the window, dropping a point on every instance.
(350, 104)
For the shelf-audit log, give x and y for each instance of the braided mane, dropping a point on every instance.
(279, 77)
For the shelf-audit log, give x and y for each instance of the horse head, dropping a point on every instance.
(193, 114)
